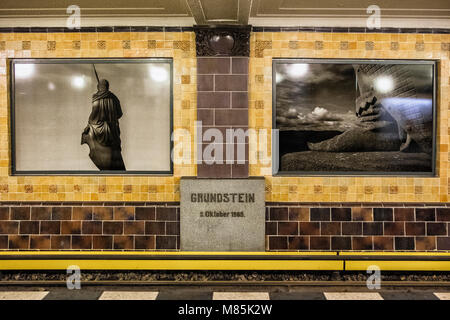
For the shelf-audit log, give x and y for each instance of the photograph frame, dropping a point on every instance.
(13, 170)
(275, 133)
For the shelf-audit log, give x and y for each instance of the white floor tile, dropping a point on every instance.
(241, 296)
(128, 295)
(22, 295)
(442, 295)
(353, 296)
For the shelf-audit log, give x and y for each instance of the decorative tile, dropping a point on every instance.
(126, 44)
(26, 45)
(369, 45)
(318, 45)
(101, 44)
(394, 46)
(344, 45)
(51, 45)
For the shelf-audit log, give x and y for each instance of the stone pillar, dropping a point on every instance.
(222, 94)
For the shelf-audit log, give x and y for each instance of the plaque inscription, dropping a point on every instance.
(222, 215)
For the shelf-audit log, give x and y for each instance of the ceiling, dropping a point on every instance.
(398, 13)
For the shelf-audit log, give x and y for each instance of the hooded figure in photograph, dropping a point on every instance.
(102, 134)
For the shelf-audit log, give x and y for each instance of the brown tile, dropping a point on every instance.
(231, 117)
(70, 227)
(113, 227)
(134, 227)
(206, 116)
(352, 228)
(278, 243)
(40, 242)
(341, 243)
(443, 214)
(309, 228)
(425, 214)
(271, 228)
(123, 242)
(239, 65)
(155, 227)
(415, 228)
(425, 243)
(372, 228)
(81, 242)
(362, 214)
(60, 242)
(214, 171)
(145, 213)
(383, 243)
(101, 242)
(239, 170)
(4, 213)
(279, 213)
(3, 242)
(20, 213)
(166, 242)
(41, 213)
(61, 213)
(18, 242)
(82, 213)
(443, 243)
(230, 83)
(394, 228)
(166, 214)
(173, 228)
(50, 227)
(213, 65)
(144, 242)
(330, 228)
(213, 100)
(239, 100)
(123, 213)
(91, 227)
(341, 214)
(298, 214)
(29, 227)
(362, 243)
(436, 229)
(319, 243)
(320, 214)
(205, 82)
(404, 214)
(298, 243)
(288, 228)
(404, 243)
(383, 214)
(102, 213)
(9, 227)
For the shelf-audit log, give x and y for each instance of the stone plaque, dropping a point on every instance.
(222, 214)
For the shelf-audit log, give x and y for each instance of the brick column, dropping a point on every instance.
(222, 98)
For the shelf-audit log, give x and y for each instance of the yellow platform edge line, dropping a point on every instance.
(398, 265)
(172, 264)
(169, 253)
(393, 253)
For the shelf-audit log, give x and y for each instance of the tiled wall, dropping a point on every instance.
(101, 43)
(309, 44)
(79, 221)
(397, 227)
(83, 226)
(222, 95)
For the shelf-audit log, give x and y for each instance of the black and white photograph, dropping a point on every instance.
(354, 117)
(91, 115)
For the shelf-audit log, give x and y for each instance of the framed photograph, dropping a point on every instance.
(354, 117)
(91, 116)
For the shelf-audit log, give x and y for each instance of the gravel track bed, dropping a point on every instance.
(223, 276)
